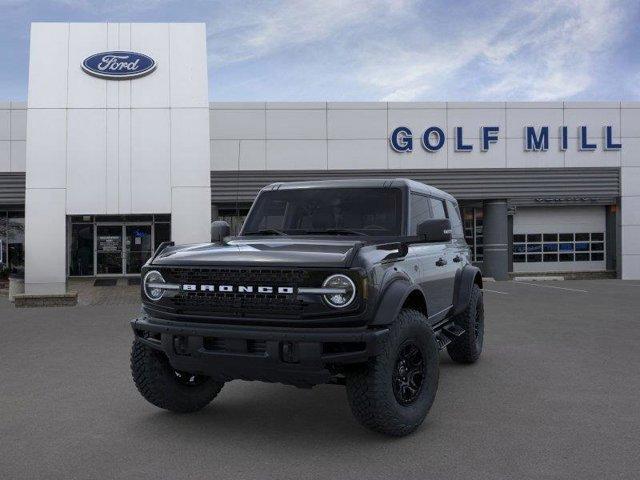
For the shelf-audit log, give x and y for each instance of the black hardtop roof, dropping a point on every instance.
(362, 183)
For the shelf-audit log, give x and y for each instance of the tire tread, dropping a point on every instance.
(464, 349)
(153, 377)
(366, 388)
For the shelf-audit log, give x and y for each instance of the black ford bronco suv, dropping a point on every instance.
(351, 282)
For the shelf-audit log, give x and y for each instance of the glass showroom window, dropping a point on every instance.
(81, 258)
(12, 237)
(4, 266)
(472, 221)
(114, 244)
(558, 247)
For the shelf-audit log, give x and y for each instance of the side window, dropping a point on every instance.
(456, 221)
(437, 206)
(419, 212)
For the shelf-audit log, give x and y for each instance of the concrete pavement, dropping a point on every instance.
(555, 395)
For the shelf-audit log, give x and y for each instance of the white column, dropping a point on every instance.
(630, 229)
(191, 215)
(45, 241)
(630, 191)
(46, 163)
(190, 157)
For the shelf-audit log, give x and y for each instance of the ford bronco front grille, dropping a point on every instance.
(240, 276)
(235, 303)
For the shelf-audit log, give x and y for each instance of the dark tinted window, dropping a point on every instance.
(81, 249)
(437, 206)
(456, 221)
(371, 211)
(419, 212)
(15, 241)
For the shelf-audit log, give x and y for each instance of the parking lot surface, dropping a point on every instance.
(555, 395)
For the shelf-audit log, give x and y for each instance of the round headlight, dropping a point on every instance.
(345, 291)
(151, 281)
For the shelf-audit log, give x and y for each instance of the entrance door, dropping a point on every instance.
(109, 250)
(138, 247)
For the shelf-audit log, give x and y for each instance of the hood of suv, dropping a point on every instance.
(263, 252)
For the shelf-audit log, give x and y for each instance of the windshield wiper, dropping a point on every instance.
(335, 231)
(267, 231)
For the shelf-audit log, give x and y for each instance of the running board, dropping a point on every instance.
(447, 334)
(453, 329)
(443, 340)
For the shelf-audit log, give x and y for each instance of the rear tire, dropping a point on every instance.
(468, 346)
(392, 393)
(163, 386)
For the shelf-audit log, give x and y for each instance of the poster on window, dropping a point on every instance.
(109, 243)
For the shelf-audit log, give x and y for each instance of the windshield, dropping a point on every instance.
(331, 211)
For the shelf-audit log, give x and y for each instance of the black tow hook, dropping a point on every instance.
(289, 352)
(181, 345)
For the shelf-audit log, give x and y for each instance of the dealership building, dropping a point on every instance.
(118, 148)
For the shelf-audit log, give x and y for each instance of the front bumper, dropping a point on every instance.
(296, 356)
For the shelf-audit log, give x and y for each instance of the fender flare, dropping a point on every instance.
(464, 281)
(394, 296)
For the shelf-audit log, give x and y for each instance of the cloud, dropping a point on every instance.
(564, 55)
(261, 29)
(547, 50)
(106, 7)
(400, 50)
(408, 50)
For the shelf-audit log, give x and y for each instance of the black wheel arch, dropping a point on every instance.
(398, 293)
(466, 277)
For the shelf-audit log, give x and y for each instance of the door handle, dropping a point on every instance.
(457, 259)
(441, 262)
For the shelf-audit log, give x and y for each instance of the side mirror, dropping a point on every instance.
(435, 230)
(219, 230)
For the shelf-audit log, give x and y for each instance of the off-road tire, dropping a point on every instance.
(370, 387)
(159, 384)
(468, 346)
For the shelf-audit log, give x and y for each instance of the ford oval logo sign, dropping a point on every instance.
(118, 65)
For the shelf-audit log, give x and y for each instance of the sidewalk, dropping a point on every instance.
(121, 294)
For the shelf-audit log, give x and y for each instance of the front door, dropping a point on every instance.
(447, 263)
(109, 250)
(435, 276)
(122, 249)
(138, 247)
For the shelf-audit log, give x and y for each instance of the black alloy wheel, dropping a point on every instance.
(408, 374)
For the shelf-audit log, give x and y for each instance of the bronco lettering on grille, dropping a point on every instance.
(191, 287)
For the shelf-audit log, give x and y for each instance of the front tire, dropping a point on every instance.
(468, 346)
(393, 392)
(163, 386)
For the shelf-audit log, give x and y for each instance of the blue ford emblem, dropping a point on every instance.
(118, 65)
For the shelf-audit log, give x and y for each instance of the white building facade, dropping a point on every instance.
(99, 170)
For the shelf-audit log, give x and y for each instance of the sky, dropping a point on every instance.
(377, 50)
